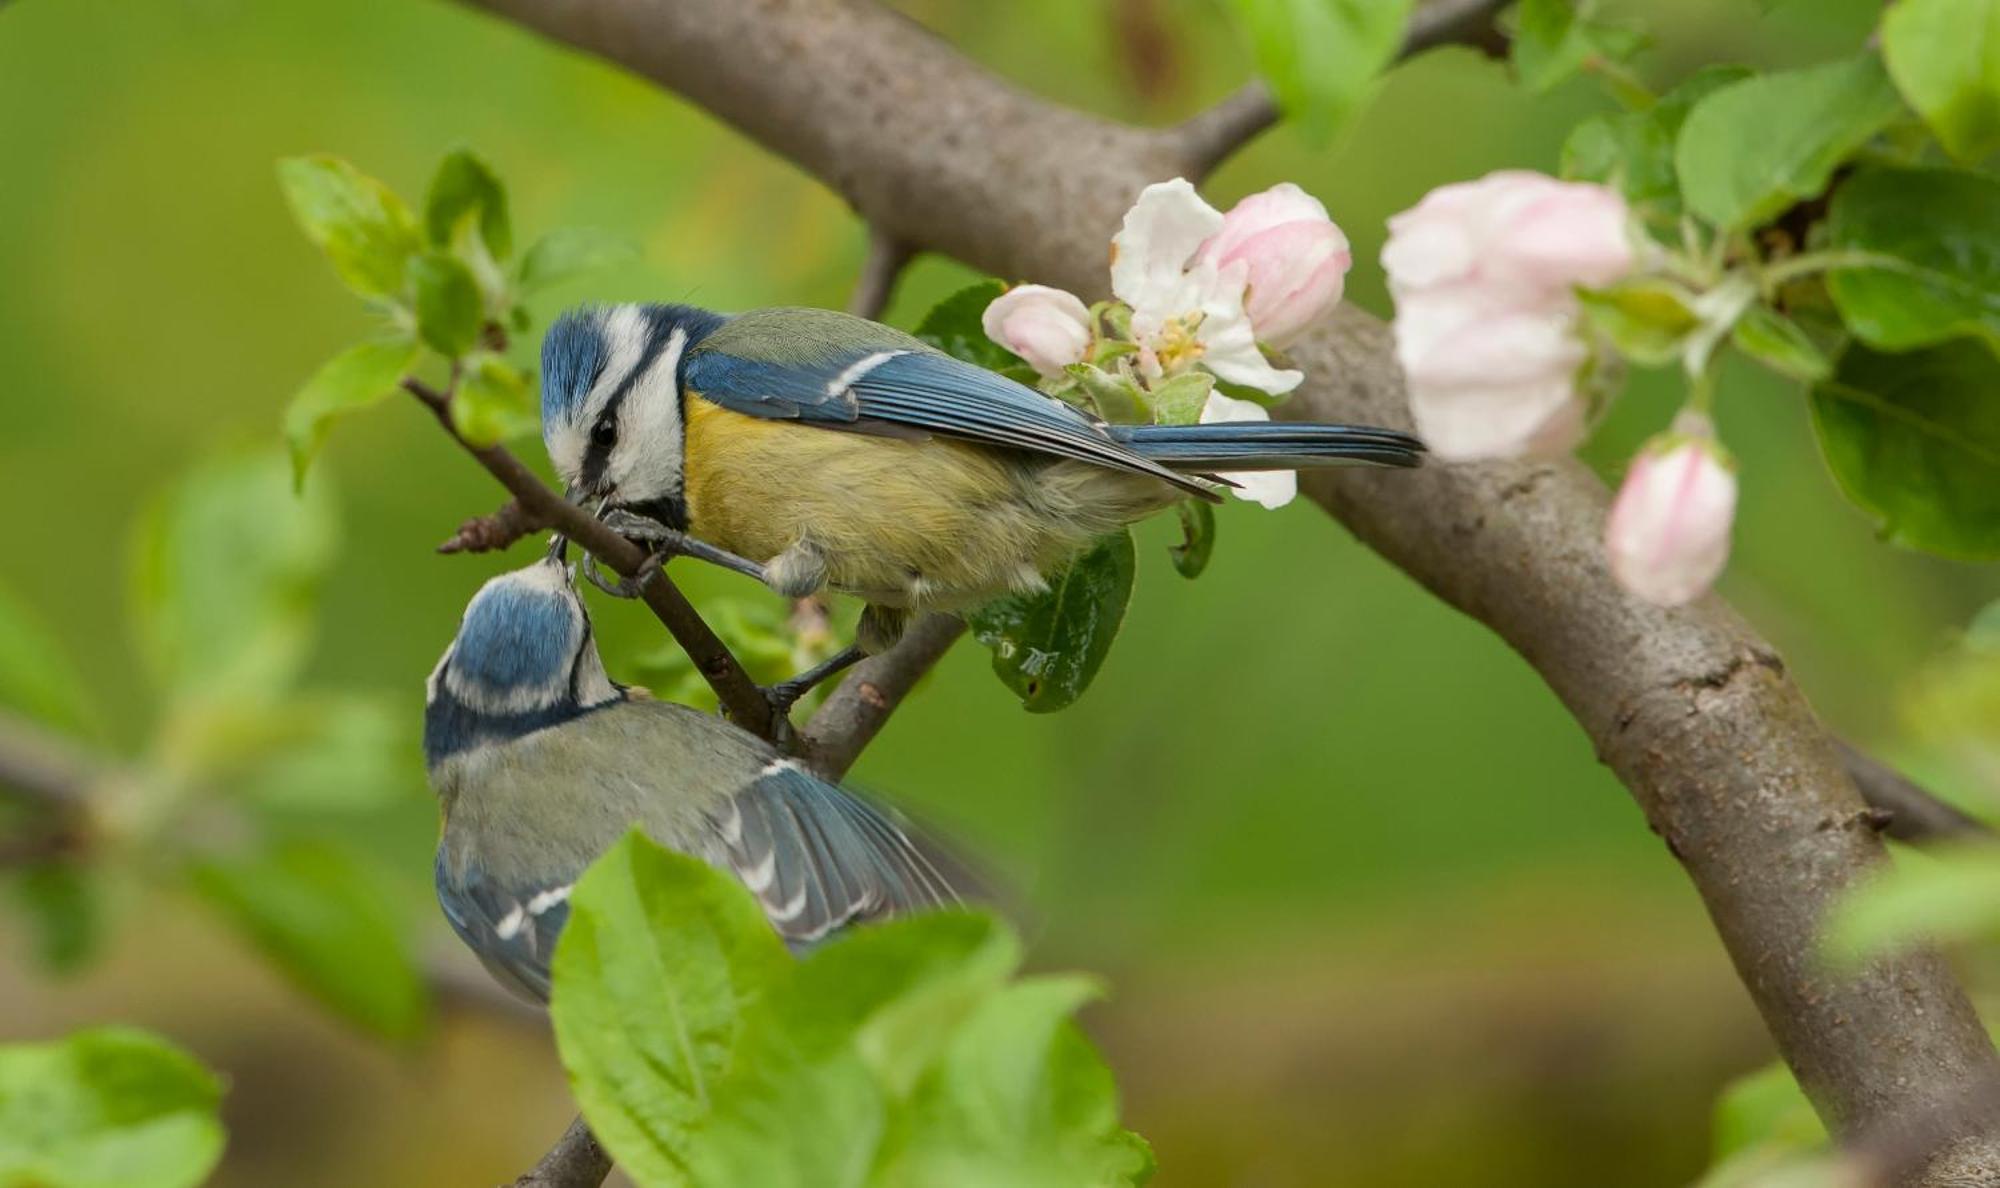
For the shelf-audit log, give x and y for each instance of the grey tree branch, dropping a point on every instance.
(880, 270)
(856, 711)
(738, 694)
(1914, 815)
(1212, 136)
(1689, 707)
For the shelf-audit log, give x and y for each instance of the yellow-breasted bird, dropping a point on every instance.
(809, 448)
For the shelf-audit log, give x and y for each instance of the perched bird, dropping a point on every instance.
(541, 762)
(806, 447)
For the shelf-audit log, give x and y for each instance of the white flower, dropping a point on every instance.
(1047, 327)
(1483, 274)
(1187, 312)
(1667, 538)
(1272, 488)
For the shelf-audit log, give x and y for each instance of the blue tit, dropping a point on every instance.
(809, 448)
(541, 762)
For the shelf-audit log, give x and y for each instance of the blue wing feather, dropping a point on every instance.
(513, 941)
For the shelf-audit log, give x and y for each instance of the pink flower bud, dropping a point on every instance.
(1667, 538)
(1297, 259)
(1047, 327)
(1486, 319)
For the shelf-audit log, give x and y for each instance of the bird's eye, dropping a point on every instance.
(604, 433)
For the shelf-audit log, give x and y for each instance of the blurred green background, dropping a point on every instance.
(1372, 912)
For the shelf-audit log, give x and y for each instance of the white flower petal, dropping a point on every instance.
(1272, 488)
(1161, 233)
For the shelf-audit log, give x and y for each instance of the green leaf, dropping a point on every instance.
(1113, 395)
(226, 567)
(110, 1107)
(1553, 39)
(1197, 538)
(367, 233)
(329, 926)
(1648, 319)
(357, 378)
(36, 679)
(571, 251)
(1753, 148)
(1781, 344)
(1914, 439)
(1048, 647)
(465, 191)
(450, 309)
(1634, 150)
(492, 403)
(1943, 894)
(1941, 229)
(1179, 401)
(1945, 55)
(1321, 57)
(659, 957)
(61, 903)
(1765, 1110)
(331, 754)
(953, 326)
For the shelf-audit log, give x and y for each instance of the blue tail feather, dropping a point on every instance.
(1269, 445)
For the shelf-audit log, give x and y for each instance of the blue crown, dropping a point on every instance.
(573, 356)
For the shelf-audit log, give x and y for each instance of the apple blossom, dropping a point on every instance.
(1297, 259)
(1272, 488)
(1187, 311)
(1483, 274)
(1667, 537)
(1045, 326)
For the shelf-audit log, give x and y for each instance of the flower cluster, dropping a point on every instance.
(1498, 358)
(1200, 296)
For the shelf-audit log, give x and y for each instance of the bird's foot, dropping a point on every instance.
(786, 693)
(666, 543)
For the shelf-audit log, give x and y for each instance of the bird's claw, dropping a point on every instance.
(625, 587)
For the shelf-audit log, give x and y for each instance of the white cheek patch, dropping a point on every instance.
(647, 461)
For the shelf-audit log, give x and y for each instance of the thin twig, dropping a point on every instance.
(576, 1161)
(1913, 814)
(880, 270)
(861, 706)
(739, 695)
(491, 533)
(1210, 137)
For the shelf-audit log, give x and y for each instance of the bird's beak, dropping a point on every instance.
(558, 549)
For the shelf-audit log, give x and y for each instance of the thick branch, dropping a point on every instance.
(1690, 707)
(880, 270)
(739, 695)
(576, 1161)
(861, 706)
(1210, 137)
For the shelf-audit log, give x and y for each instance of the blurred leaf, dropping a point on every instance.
(1945, 55)
(450, 308)
(1752, 148)
(571, 251)
(226, 567)
(1779, 343)
(363, 227)
(61, 904)
(330, 926)
(1048, 647)
(1019, 1098)
(111, 1107)
(338, 754)
(36, 678)
(1914, 439)
(1942, 226)
(1941, 894)
(1648, 319)
(357, 378)
(1553, 39)
(493, 403)
(463, 189)
(1321, 57)
(1765, 1109)
(1197, 538)
(1634, 150)
(658, 958)
(953, 326)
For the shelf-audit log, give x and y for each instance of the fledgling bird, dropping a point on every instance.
(541, 762)
(806, 447)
